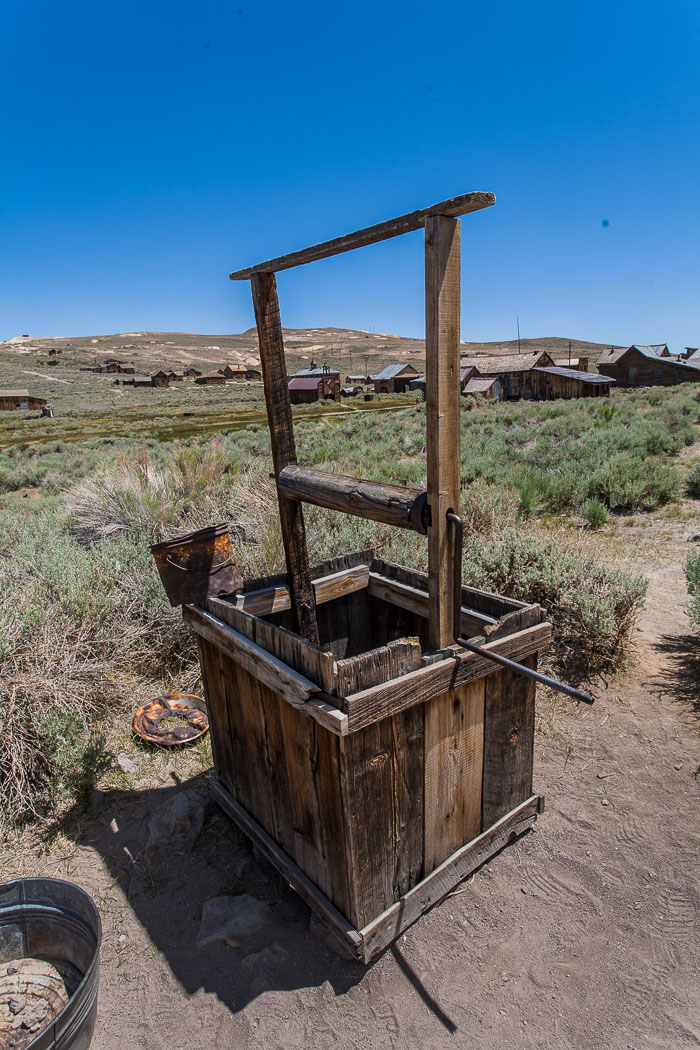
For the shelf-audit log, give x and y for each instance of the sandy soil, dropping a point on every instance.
(584, 934)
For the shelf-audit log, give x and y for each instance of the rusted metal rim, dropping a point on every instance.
(149, 716)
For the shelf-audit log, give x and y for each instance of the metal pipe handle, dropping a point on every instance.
(527, 672)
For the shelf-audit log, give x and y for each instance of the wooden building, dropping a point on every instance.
(175, 377)
(160, 378)
(487, 387)
(191, 373)
(514, 371)
(13, 400)
(580, 364)
(552, 383)
(139, 380)
(642, 366)
(352, 380)
(304, 390)
(253, 373)
(394, 379)
(211, 379)
(351, 391)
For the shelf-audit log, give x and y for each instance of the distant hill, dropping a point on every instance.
(352, 351)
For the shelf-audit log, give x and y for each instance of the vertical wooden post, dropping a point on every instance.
(279, 417)
(442, 408)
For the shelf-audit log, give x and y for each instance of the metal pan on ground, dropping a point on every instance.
(148, 719)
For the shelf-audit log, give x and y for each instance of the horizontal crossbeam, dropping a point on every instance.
(461, 205)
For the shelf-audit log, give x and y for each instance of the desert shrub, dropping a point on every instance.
(692, 482)
(594, 512)
(592, 607)
(692, 575)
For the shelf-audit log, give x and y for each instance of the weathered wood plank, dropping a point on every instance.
(316, 900)
(298, 653)
(248, 743)
(385, 928)
(509, 735)
(417, 601)
(217, 712)
(390, 504)
(454, 763)
(381, 775)
(279, 415)
(294, 687)
(462, 205)
(318, 571)
(493, 605)
(269, 600)
(422, 685)
(442, 320)
(377, 666)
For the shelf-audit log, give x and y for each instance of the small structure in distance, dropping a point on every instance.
(647, 365)
(19, 399)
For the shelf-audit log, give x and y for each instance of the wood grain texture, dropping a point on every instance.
(377, 666)
(385, 928)
(382, 781)
(442, 318)
(417, 601)
(420, 686)
(509, 737)
(390, 504)
(287, 867)
(279, 416)
(454, 762)
(269, 600)
(462, 205)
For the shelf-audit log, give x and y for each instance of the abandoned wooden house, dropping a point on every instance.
(304, 390)
(211, 379)
(175, 377)
(351, 391)
(394, 379)
(643, 366)
(12, 400)
(351, 380)
(580, 364)
(139, 380)
(465, 374)
(514, 371)
(233, 371)
(487, 387)
(191, 372)
(160, 378)
(253, 374)
(552, 383)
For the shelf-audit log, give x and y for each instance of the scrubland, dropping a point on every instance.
(86, 631)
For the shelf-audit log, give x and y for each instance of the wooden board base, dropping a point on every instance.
(365, 944)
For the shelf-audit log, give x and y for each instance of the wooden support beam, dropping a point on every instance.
(442, 244)
(270, 600)
(391, 504)
(279, 415)
(462, 205)
(416, 601)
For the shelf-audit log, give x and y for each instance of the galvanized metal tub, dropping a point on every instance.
(55, 920)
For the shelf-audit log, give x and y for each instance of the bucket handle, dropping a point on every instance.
(184, 568)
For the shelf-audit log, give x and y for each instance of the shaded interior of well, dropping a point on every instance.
(360, 622)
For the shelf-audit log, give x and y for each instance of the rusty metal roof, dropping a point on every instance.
(574, 373)
(305, 382)
(14, 393)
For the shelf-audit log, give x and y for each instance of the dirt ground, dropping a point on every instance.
(583, 934)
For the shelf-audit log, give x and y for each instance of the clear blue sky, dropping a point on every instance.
(150, 148)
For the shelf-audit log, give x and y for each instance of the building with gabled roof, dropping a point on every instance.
(642, 366)
(19, 398)
(557, 382)
(394, 379)
(513, 371)
(304, 390)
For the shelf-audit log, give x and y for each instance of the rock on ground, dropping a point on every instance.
(175, 826)
(232, 919)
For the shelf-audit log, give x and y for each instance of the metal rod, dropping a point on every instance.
(537, 676)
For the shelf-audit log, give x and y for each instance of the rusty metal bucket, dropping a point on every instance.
(197, 566)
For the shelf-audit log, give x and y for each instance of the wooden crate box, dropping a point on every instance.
(374, 773)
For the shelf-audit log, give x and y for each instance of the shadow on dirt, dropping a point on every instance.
(681, 679)
(168, 901)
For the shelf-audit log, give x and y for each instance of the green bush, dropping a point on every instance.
(692, 482)
(692, 575)
(594, 512)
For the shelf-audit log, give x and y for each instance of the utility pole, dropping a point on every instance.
(570, 353)
(517, 321)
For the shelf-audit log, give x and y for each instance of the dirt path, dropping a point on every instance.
(582, 935)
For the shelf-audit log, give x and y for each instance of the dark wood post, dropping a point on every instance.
(279, 416)
(442, 244)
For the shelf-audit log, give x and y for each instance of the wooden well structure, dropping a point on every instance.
(375, 762)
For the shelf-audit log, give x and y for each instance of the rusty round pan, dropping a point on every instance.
(148, 718)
